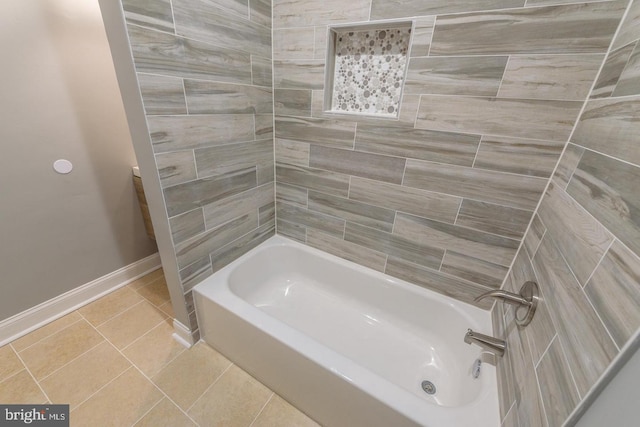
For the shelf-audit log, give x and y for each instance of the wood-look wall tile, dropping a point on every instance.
(155, 52)
(292, 195)
(530, 407)
(532, 157)
(267, 213)
(201, 20)
(264, 126)
(437, 206)
(260, 12)
(587, 344)
(567, 165)
(162, 95)
(394, 245)
(608, 189)
(522, 271)
(559, 394)
(334, 133)
(173, 133)
(364, 165)
(196, 272)
(582, 240)
(194, 194)
(495, 219)
(228, 158)
(291, 230)
(294, 43)
(437, 281)
(241, 7)
(567, 77)
(221, 257)
(466, 241)
(422, 33)
(320, 44)
(203, 244)
(347, 250)
(292, 102)
(473, 269)
(455, 75)
(385, 9)
(149, 13)
(221, 211)
(522, 192)
(523, 118)
(614, 291)
(186, 225)
(292, 152)
(540, 332)
(534, 236)
(176, 167)
(630, 27)
(261, 72)
(298, 74)
(629, 82)
(611, 71)
(303, 13)
(352, 211)
(205, 97)
(310, 219)
(313, 179)
(576, 28)
(436, 146)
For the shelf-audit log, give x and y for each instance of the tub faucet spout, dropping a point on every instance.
(491, 344)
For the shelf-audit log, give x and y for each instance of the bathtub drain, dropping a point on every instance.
(428, 387)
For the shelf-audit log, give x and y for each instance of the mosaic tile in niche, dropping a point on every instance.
(369, 70)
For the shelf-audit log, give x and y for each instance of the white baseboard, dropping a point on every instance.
(35, 317)
(182, 334)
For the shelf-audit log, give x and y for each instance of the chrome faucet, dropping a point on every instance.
(526, 301)
(491, 344)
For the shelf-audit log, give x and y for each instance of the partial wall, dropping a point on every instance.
(583, 249)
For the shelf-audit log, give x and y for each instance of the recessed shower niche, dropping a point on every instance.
(366, 68)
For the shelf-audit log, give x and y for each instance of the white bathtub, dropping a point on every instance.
(347, 345)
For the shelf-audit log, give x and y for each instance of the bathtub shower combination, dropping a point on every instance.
(348, 345)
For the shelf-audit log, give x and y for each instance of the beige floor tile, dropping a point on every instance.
(191, 373)
(154, 350)
(130, 325)
(121, 403)
(10, 364)
(156, 292)
(76, 381)
(45, 331)
(281, 413)
(145, 280)
(60, 348)
(20, 389)
(110, 306)
(167, 308)
(165, 414)
(234, 400)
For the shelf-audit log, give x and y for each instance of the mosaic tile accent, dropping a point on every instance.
(369, 70)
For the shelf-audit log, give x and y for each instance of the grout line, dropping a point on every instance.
(504, 73)
(604, 255)
(210, 386)
(146, 413)
(50, 335)
(262, 409)
(537, 386)
(72, 360)
(473, 164)
(173, 18)
(564, 354)
(26, 368)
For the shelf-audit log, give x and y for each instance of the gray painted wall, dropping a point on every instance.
(60, 99)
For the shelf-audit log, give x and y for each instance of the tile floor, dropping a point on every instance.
(115, 363)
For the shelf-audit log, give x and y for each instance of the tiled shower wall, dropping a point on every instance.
(204, 70)
(583, 249)
(442, 196)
